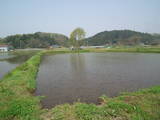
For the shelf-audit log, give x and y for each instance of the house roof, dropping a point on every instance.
(3, 45)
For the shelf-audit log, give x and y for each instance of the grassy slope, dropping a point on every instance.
(18, 103)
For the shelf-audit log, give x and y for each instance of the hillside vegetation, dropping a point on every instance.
(115, 37)
(36, 40)
(123, 37)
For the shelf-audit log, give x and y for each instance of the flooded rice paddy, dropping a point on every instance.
(66, 78)
(10, 60)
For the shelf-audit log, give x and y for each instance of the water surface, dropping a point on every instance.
(10, 60)
(66, 78)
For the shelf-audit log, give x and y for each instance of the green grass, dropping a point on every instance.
(141, 50)
(16, 88)
(134, 49)
(140, 105)
(17, 101)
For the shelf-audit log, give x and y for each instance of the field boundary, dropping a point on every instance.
(17, 101)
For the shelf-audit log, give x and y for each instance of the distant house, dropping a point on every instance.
(4, 48)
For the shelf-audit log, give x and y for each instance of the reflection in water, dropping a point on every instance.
(5, 55)
(77, 64)
(70, 77)
(18, 57)
(9, 60)
(5, 67)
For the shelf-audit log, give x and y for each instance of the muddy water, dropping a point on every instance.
(66, 78)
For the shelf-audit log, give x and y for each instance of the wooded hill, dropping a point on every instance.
(123, 37)
(36, 40)
(115, 37)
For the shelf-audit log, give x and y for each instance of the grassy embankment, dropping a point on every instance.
(114, 49)
(18, 103)
(19, 56)
(16, 88)
(129, 49)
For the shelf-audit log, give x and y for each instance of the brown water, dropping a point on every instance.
(66, 78)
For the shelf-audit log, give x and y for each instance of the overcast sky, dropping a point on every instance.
(62, 16)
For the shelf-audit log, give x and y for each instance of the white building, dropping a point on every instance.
(4, 48)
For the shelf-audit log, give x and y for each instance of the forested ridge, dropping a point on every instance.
(36, 40)
(123, 37)
(115, 37)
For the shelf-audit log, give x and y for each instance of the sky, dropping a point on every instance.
(63, 16)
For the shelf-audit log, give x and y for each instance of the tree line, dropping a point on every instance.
(36, 40)
(77, 38)
(123, 37)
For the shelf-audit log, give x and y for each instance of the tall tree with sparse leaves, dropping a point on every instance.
(75, 37)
